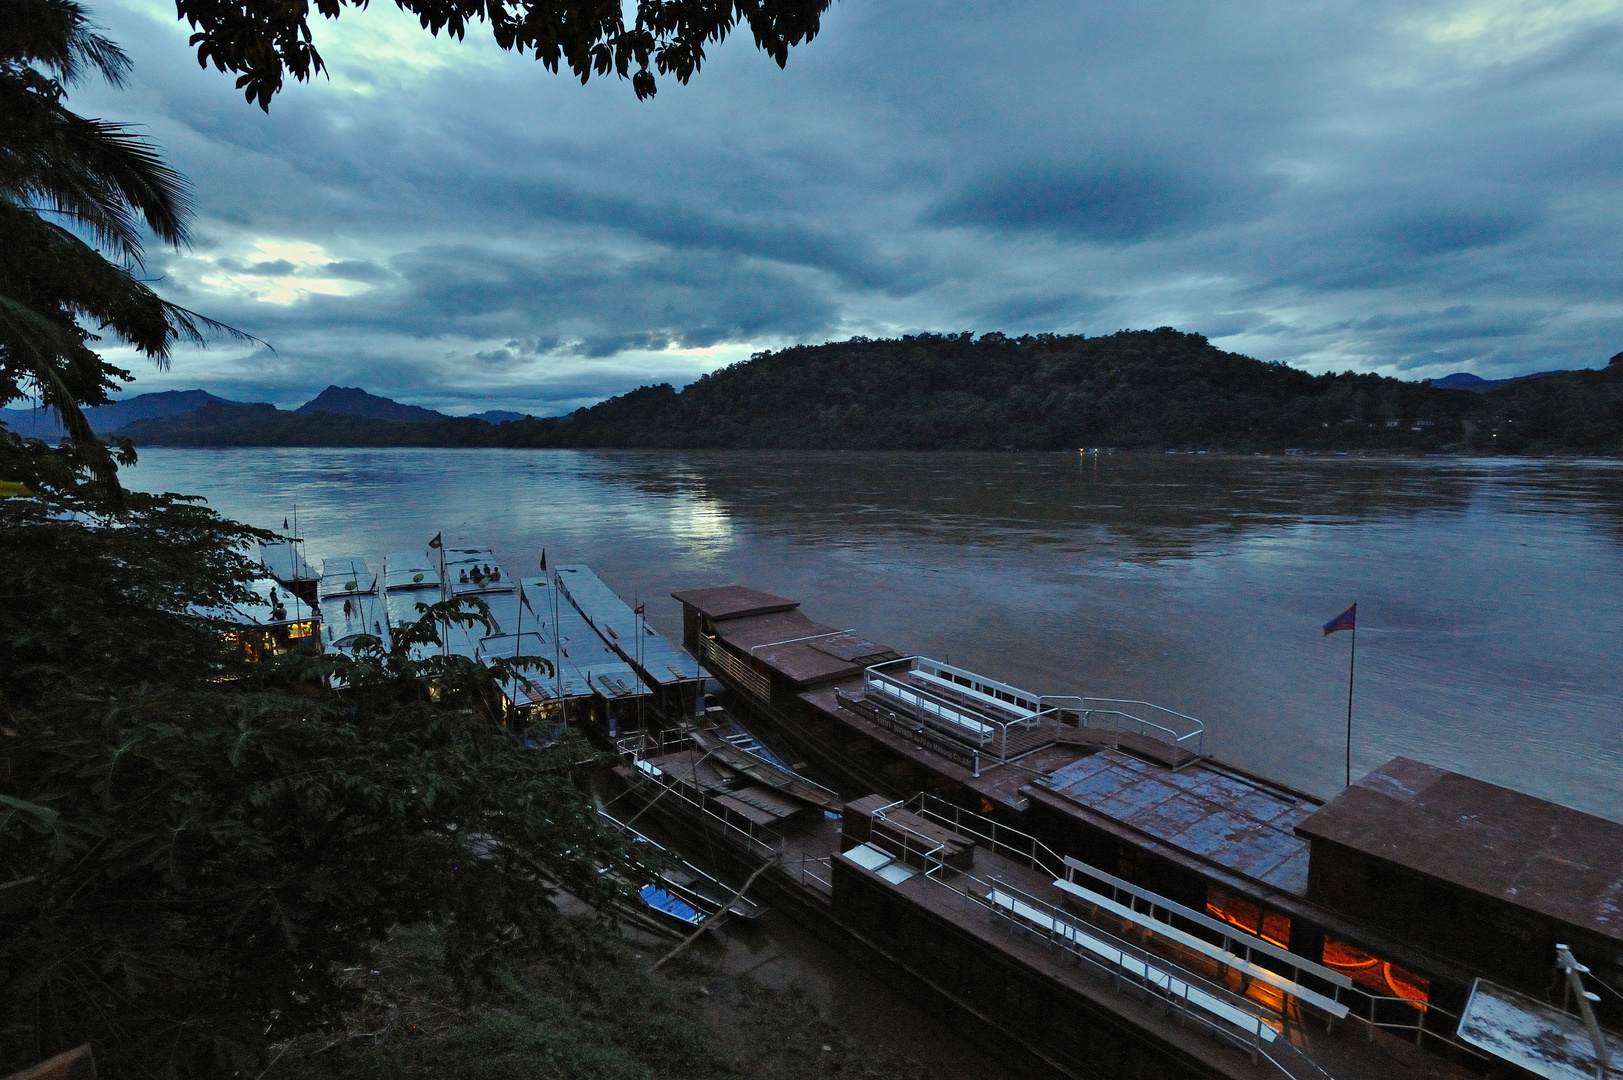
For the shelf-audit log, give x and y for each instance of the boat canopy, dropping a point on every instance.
(346, 575)
(284, 561)
(659, 662)
(473, 561)
(410, 570)
(274, 605)
(347, 617)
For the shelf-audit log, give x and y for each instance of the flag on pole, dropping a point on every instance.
(524, 598)
(436, 543)
(640, 610)
(543, 560)
(1347, 620)
(284, 523)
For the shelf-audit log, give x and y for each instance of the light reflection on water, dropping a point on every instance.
(1487, 589)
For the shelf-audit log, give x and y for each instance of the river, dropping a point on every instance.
(1490, 613)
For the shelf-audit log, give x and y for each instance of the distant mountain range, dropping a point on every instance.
(353, 401)
(1464, 380)
(349, 401)
(106, 419)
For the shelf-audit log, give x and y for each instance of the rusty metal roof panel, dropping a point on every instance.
(801, 663)
(1290, 875)
(799, 648)
(1216, 814)
(853, 649)
(1535, 854)
(733, 601)
(753, 632)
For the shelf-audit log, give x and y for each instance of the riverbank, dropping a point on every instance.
(591, 1008)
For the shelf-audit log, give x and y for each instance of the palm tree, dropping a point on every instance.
(63, 177)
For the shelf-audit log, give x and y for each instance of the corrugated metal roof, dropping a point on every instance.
(623, 631)
(410, 570)
(460, 560)
(261, 611)
(1223, 817)
(1489, 839)
(733, 601)
(343, 617)
(284, 561)
(343, 575)
(604, 670)
(535, 685)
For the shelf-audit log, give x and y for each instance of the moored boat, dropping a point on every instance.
(351, 610)
(1402, 888)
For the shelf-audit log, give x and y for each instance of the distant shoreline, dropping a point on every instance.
(1147, 390)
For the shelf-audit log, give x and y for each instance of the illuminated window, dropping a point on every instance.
(1374, 974)
(1251, 917)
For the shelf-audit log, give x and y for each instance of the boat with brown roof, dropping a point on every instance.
(1414, 888)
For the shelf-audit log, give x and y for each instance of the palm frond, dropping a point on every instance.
(100, 173)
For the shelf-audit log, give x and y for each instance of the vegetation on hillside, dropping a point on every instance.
(1158, 389)
(203, 843)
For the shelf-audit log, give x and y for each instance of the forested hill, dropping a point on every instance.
(1136, 389)
(1147, 389)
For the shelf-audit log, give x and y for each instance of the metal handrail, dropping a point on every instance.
(999, 733)
(1086, 709)
(1039, 856)
(701, 804)
(1118, 974)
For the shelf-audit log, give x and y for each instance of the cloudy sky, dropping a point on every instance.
(1410, 188)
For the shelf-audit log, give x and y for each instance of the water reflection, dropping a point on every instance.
(1159, 506)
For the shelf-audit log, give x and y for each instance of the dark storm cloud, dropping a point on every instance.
(1387, 186)
(1112, 202)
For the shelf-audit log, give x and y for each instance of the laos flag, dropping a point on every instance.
(1347, 620)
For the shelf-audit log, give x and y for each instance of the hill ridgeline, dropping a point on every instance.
(1148, 389)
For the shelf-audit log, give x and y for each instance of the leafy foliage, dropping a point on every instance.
(264, 41)
(57, 167)
(211, 840)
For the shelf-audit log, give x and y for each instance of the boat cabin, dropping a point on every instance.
(275, 622)
(1475, 871)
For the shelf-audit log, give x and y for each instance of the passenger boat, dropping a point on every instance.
(409, 578)
(673, 678)
(275, 622)
(1104, 829)
(284, 562)
(351, 610)
(472, 570)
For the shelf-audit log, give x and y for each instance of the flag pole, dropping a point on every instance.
(1352, 657)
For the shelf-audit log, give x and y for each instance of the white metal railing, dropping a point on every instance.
(1381, 1012)
(958, 712)
(1180, 730)
(759, 838)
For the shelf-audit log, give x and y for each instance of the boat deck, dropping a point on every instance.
(1299, 1043)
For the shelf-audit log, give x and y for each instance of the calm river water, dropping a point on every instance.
(1489, 608)
(1490, 591)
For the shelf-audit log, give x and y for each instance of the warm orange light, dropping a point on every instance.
(1374, 974)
